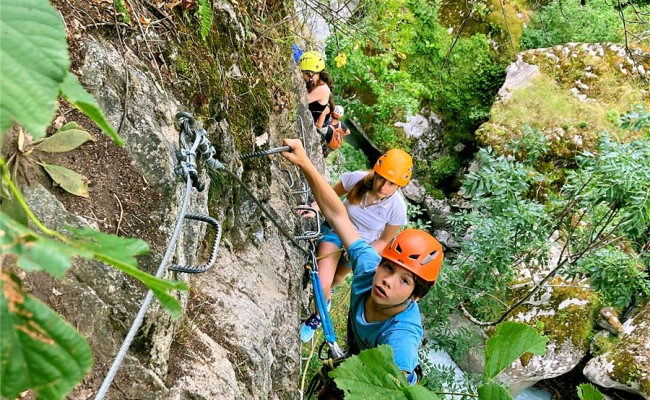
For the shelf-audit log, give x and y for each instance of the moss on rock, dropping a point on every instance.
(580, 90)
(563, 311)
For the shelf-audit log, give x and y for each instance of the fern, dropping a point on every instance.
(205, 16)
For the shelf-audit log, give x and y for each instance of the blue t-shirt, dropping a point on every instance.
(403, 332)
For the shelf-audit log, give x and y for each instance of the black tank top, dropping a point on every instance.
(316, 110)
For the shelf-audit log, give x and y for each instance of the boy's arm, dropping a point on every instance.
(327, 199)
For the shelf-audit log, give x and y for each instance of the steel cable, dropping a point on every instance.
(171, 247)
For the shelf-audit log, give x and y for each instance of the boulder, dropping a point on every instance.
(414, 191)
(625, 363)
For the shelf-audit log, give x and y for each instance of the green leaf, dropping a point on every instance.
(511, 341)
(118, 248)
(69, 180)
(121, 252)
(12, 208)
(72, 90)
(33, 64)
(64, 140)
(373, 375)
(493, 391)
(34, 252)
(39, 350)
(205, 16)
(70, 125)
(587, 391)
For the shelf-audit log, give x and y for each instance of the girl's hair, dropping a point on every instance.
(327, 78)
(331, 102)
(361, 188)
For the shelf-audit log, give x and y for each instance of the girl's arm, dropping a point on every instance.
(339, 189)
(327, 199)
(321, 119)
(390, 231)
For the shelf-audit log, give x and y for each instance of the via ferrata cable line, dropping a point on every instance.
(201, 148)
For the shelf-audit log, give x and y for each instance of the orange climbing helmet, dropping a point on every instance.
(417, 251)
(311, 61)
(396, 166)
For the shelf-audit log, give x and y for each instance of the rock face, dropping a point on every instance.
(625, 363)
(238, 336)
(427, 128)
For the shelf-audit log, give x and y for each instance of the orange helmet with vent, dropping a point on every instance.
(396, 166)
(417, 251)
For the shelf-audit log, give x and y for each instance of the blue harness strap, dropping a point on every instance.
(319, 297)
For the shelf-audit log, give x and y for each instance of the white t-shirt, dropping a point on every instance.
(371, 219)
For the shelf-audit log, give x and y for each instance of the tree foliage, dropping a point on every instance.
(403, 61)
(601, 215)
(373, 372)
(561, 22)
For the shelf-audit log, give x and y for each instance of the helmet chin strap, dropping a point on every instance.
(404, 304)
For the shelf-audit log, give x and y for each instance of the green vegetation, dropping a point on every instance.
(373, 372)
(346, 159)
(617, 274)
(564, 22)
(67, 138)
(402, 62)
(513, 221)
(571, 123)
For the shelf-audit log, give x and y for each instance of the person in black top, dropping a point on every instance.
(318, 83)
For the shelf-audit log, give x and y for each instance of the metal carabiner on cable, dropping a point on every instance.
(190, 131)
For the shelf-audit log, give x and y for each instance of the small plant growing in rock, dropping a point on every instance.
(69, 137)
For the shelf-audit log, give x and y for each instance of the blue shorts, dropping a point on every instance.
(331, 237)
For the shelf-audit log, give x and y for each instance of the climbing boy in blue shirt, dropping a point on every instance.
(386, 287)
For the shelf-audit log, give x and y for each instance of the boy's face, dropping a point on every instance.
(392, 284)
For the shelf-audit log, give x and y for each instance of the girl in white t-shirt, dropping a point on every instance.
(377, 210)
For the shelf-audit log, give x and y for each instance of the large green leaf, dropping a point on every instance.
(64, 140)
(39, 350)
(36, 253)
(373, 375)
(69, 180)
(72, 90)
(511, 341)
(586, 391)
(33, 64)
(121, 252)
(493, 391)
(118, 248)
